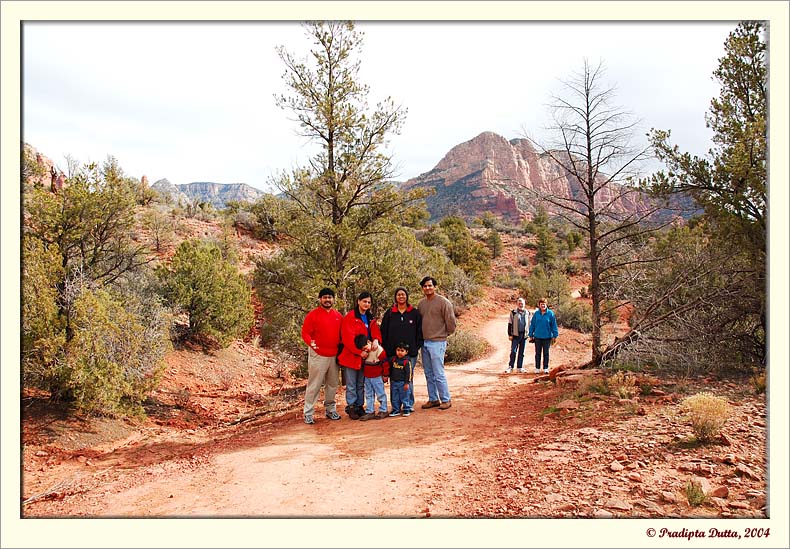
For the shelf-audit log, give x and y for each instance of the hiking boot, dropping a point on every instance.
(332, 415)
(381, 414)
(367, 417)
(430, 404)
(445, 405)
(394, 413)
(309, 420)
(352, 414)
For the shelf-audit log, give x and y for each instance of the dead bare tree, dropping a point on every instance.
(593, 152)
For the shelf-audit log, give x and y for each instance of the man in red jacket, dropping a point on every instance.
(321, 333)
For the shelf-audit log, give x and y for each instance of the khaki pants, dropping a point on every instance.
(321, 370)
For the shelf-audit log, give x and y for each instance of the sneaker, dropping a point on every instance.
(367, 417)
(333, 415)
(545, 372)
(430, 404)
(395, 413)
(406, 413)
(381, 414)
(508, 370)
(309, 420)
(537, 371)
(445, 405)
(519, 370)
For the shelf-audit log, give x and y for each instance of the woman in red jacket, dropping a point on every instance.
(358, 321)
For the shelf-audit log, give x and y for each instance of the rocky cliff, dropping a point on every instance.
(491, 174)
(218, 194)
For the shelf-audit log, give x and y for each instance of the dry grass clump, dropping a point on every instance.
(757, 382)
(707, 412)
(464, 346)
(695, 494)
(623, 385)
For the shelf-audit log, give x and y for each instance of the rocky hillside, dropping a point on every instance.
(218, 194)
(491, 174)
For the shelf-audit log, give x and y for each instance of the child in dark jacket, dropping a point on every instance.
(401, 375)
(376, 369)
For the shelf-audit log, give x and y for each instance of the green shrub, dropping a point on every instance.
(509, 280)
(592, 384)
(212, 292)
(576, 315)
(464, 346)
(113, 359)
(707, 413)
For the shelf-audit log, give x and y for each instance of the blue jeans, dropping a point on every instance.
(413, 360)
(400, 396)
(542, 346)
(374, 387)
(355, 386)
(433, 365)
(517, 344)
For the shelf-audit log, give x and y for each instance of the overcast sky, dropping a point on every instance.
(194, 101)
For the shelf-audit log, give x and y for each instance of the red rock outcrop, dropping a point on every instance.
(491, 174)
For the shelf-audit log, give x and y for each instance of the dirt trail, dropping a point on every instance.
(396, 467)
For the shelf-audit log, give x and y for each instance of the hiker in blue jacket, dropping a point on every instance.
(543, 332)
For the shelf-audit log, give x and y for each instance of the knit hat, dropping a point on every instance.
(326, 291)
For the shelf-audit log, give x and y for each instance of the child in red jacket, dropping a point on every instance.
(376, 370)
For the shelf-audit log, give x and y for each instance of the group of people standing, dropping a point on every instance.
(372, 354)
(538, 327)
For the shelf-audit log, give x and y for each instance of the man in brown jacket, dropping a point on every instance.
(438, 322)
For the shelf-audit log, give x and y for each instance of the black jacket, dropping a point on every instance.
(400, 369)
(404, 327)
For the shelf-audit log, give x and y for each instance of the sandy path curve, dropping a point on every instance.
(396, 467)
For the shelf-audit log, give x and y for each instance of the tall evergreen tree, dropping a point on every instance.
(341, 206)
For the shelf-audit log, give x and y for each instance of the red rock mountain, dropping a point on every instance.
(491, 174)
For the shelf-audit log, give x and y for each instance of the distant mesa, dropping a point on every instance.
(217, 194)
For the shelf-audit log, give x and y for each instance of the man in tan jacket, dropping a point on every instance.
(438, 322)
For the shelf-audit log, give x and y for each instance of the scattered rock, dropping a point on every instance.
(669, 497)
(42, 453)
(554, 498)
(616, 466)
(739, 505)
(744, 471)
(725, 439)
(602, 513)
(567, 507)
(614, 503)
(720, 492)
(650, 506)
(718, 502)
(621, 457)
(703, 483)
(568, 405)
(636, 477)
(730, 459)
